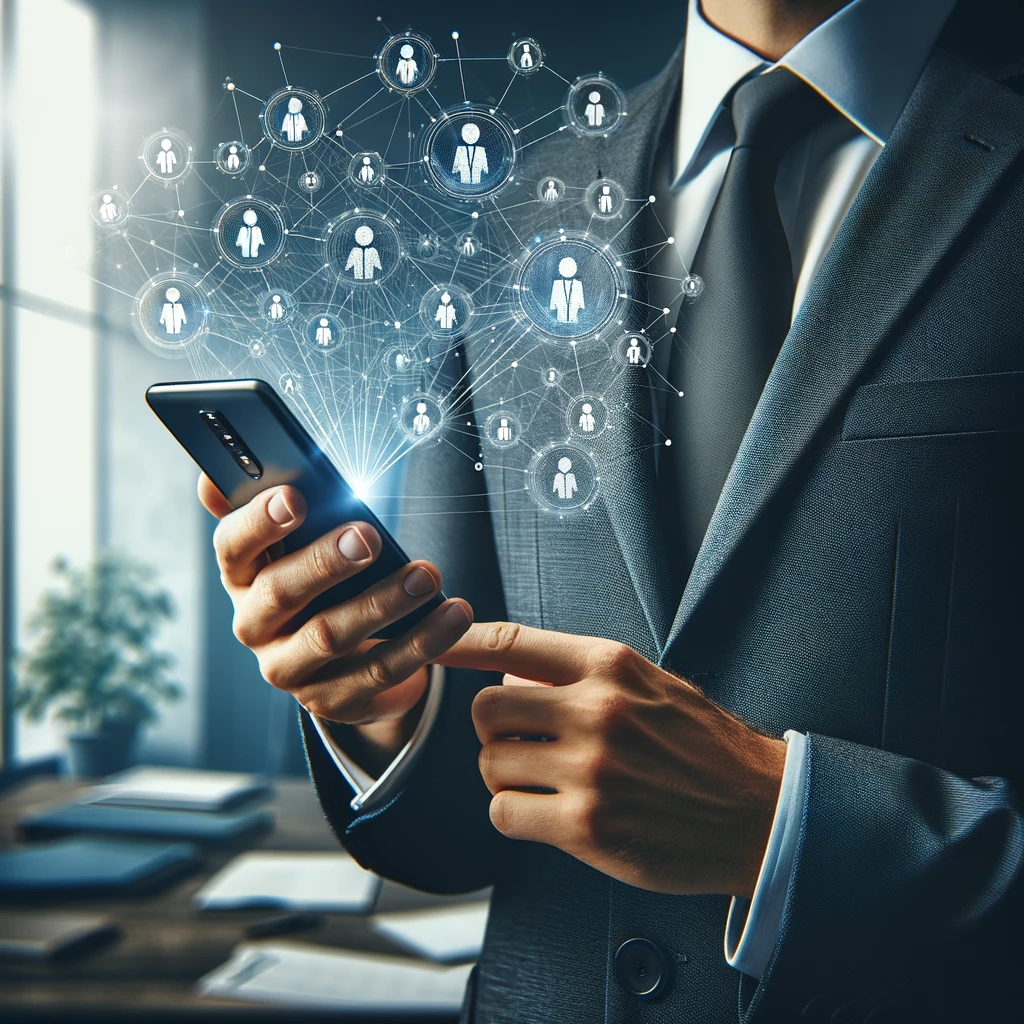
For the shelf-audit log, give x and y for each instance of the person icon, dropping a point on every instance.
(166, 158)
(421, 421)
(293, 124)
(594, 112)
(604, 200)
(565, 485)
(470, 159)
(445, 315)
(407, 68)
(324, 334)
(551, 192)
(567, 293)
(232, 160)
(468, 247)
(633, 353)
(587, 422)
(250, 236)
(401, 361)
(289, 385)
(366, 172)
(504, 430)
(526, 58)
(172, 317)
(311, 181)
(276, 311)
(364, 258)
(108, 211)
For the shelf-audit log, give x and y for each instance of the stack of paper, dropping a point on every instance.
(176, 789)
(446, 934)
(293, 974)
(326, 882)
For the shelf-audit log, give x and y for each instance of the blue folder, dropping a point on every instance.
(93, 866)
(141, 821)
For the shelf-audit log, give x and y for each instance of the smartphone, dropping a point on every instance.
(245, 439)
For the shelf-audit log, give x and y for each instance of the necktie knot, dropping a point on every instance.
(770, 112)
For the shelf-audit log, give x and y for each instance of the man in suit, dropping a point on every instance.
(776, 664)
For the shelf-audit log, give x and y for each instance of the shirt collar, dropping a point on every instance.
(865, 60)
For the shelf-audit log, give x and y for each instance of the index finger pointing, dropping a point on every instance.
(538, 654)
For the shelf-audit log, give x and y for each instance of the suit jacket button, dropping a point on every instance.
(642, 969)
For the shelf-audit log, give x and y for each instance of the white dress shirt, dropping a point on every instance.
(865, 60)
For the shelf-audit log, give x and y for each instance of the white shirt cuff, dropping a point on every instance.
(370, 792)
(752, 927)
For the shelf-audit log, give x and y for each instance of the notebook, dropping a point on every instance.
(92, 866)
(177, 789)
(199, 826)
(35, 936)
(298, 975)
(446, 934)
(325, 882)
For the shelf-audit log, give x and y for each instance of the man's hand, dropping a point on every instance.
(328, 663)
(655, 785)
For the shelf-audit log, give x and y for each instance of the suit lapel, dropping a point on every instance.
(960, 132)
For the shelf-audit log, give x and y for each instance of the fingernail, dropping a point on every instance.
(455, 619)
(278, 510)
(352, 545)
(419, 582)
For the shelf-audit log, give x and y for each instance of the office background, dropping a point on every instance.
(85, 465)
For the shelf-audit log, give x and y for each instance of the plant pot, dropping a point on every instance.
(103, 752)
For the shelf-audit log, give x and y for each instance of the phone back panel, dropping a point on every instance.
(287, 455)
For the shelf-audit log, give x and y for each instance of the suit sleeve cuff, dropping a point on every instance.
(370, 792)
(752, 927)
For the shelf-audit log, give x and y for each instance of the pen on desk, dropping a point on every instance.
(283, 924)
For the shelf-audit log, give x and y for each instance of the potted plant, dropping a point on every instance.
(92, 660)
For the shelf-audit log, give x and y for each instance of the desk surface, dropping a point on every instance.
(166, 945)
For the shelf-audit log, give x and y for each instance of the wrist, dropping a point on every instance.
(767, 763)
(382, 740)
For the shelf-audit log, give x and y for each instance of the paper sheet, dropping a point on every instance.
(293, 974)
(328, 882)
(178, 788)
(445, 934)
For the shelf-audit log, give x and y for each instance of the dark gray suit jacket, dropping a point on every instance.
(860, 581)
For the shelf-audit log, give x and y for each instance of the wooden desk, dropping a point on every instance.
(150, 972)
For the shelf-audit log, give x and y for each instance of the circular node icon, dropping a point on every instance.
(692, 286)
(259, 348)
(310, 181)
(293, 119)
(428, 247)
(569, 288)
(525, 56)
(551, 377)
(232, 158)
(166, 155)
(446, 311)
(362, 248)
(633, 349)
(587, 416)
(470, 152)
(367, 170)
(595, 105)
(421, 416)
(169, 313)
(467, 246)
(606, 199)
(407, 63)
(110, 208)
(290, 384)
(277, 306)
(563, 478)
(323, 332)
(503, 429)
(398, 361)
(550, 190)
(249, 232)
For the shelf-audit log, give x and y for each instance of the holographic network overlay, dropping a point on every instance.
(353, 278)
